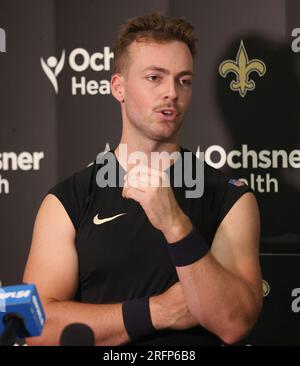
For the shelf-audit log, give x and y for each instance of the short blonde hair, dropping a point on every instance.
(152, 27)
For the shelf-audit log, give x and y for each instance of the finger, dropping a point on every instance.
(134, 182)
(133, 193)
(156, 178)
(150, 170)
(143, 181)
(142, 168)
(156, 173)
(126, 187)
(147, 181)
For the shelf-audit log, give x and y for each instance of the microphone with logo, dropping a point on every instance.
(77, 334)
(21, 313)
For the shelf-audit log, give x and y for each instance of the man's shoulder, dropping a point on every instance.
(78, 182)
(84, 175)
(216, 182)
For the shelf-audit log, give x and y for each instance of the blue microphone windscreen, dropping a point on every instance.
(22, 300)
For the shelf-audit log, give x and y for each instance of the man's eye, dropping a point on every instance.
(185, 82)
(152, 78)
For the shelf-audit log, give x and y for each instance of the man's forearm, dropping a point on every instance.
(218, 299)
(106, 321)
(167, 310)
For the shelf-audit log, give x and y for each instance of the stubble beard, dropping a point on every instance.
(154, 130)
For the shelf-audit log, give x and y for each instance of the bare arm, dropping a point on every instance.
(223, 290)
(53, 266)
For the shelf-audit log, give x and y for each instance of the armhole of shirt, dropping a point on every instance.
(230, 192)
(66, 194)
(74, 193)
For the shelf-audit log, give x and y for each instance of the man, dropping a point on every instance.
(143, 264)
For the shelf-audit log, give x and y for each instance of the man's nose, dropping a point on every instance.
(171, 92)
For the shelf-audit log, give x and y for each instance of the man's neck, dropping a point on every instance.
(124, 150)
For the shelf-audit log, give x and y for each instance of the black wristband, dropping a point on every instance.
(137, 318)
(188, 250)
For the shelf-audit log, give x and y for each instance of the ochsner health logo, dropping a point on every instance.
(79, 60)
(52, 67)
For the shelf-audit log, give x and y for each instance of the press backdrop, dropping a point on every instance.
(57, 114)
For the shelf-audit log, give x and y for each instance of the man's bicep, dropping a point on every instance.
(236, 242)
(52, 263)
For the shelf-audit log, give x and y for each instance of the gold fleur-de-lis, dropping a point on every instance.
(242, 68)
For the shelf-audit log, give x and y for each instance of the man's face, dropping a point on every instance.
(157, 87)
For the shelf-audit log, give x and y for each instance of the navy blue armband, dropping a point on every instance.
(137, 318)
(188, 250)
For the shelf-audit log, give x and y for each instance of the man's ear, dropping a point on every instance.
(117, 88)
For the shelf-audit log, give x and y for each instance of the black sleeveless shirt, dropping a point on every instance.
(126, 258)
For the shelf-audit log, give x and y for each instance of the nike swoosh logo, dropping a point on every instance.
(98, 221)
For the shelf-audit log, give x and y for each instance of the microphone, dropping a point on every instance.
(77, 334)
(21, 313)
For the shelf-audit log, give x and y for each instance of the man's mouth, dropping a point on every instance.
(168, 113)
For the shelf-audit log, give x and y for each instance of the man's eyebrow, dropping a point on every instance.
(165, 71)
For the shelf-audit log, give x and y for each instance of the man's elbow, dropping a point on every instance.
(234, 334)
(239, 328)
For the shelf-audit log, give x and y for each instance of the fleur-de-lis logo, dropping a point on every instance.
(265, 288)
(242, 68)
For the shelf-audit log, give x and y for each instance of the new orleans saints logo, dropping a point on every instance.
(265, 288)
(242, 68)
